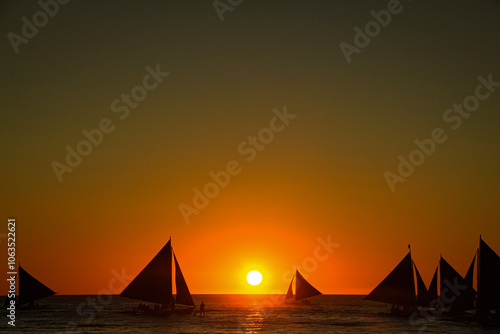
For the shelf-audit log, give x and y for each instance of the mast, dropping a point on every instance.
(479, 295)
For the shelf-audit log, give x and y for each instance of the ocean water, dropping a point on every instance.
(228, 314)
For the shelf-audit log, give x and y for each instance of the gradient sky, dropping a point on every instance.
(323, 175)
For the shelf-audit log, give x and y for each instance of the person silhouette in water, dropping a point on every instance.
(202, 308)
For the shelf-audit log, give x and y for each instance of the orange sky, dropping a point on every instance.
(218, 249)
(322, 175)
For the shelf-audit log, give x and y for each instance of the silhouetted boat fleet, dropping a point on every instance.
(403, 288)
(457, 298)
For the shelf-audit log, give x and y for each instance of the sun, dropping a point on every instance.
(254, 277)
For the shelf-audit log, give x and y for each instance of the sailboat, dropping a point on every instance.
(303, 289)
(487, 297)
(30, 290)
(154, 285)
(457, 294)
(398, 288)
(488, 283)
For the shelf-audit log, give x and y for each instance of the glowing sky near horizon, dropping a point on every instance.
(321, 177)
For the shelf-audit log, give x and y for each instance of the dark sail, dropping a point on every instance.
(302, 287)
(421, 290)
(432, 293)
(458, 300)
(398, 288)
(289, 293)
(466, 300)
(31, 289)
(470, 273)
(488, 281)
(448, 276)
(154, 282)
(183, 296)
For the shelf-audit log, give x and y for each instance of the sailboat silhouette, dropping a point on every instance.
(30, 290)
(398, 288)
(488, 284)
(154, 285)
(303, 289)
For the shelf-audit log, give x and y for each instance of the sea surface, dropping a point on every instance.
(228, 314)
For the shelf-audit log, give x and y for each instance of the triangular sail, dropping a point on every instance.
(421, 290)
(432, 292)
(154, 282)
(303, 289)
(458, 301)
(183, 295)
(398, 288)
(31, 289)
(488, 281)
(289, 293)
(448, 276)
(470, 273)
(465, 300)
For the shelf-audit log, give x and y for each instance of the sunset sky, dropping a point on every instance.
(321, 175)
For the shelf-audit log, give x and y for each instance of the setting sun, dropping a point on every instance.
(254, 277)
